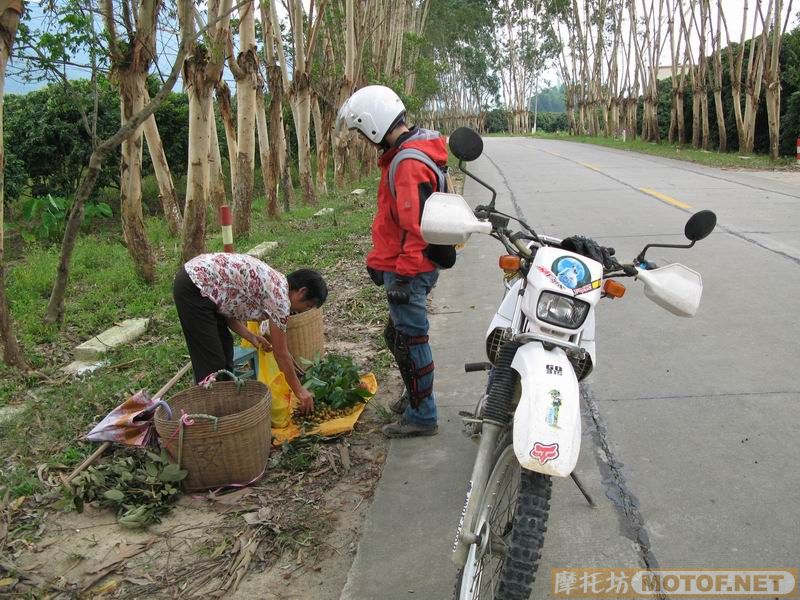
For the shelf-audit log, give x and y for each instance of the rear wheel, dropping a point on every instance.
(511, 526)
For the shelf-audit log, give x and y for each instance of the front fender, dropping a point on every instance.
(547, 421)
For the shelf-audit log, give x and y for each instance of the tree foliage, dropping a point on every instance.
(47, 136)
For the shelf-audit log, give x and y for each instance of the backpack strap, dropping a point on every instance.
(416, 154)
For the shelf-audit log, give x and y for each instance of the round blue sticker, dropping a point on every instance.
(571, 272)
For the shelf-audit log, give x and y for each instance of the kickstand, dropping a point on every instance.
(583, 490)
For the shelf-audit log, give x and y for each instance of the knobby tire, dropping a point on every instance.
(525, 540)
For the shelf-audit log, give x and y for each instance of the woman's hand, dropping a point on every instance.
(284, 360)
(306, 400)
(259, 341)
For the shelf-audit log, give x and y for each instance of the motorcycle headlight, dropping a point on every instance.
(561, 311)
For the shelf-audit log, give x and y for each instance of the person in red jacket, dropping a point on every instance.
(400, 259)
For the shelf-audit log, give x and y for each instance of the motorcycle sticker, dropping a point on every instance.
(463, 514)
(550, 275)
(571, 272)
(554, 370)
(555, 407)
(544, 452)
(587, 288)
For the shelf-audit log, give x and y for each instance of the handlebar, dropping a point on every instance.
(519, 242)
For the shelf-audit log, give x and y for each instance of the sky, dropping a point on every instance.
(15, 82)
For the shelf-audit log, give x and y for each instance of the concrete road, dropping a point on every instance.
(693, 425)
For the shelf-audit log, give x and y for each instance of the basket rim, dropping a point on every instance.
(258, 411)
(299, 319)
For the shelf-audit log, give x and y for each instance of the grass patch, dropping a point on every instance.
(103, 289)
(686, 153)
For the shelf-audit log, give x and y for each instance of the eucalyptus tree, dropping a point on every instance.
(244, 67)
(10, 14)
(101, 150)
(772, 74)
(132, 54)
(715, 31)
(518, 34)
(462, 48)
(677, 125)
(735, 69)
(345, 43)
(755, 75)
(202, 69)
(274, 63)
(304, 33)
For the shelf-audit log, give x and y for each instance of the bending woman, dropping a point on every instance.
(218, 292)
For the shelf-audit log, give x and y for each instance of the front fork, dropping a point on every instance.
(496, 417)
(466, 536)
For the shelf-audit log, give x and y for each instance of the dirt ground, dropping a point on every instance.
(292, 535)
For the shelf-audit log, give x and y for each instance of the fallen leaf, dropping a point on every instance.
(8, 582)
(16, 503)
(107, 587)
(344, 454)
(127, 551)
(232, 498)
(262, 515)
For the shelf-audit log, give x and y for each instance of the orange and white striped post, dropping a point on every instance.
(226, 220)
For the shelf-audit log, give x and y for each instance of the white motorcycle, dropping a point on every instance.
(541, 344)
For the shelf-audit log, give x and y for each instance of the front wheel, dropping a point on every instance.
(511, 525)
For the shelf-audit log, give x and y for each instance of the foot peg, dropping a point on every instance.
(478, 366)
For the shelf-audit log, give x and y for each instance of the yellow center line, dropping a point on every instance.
(592, 167)
(664, 198)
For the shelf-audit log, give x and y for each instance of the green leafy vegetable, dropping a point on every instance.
(335, 381)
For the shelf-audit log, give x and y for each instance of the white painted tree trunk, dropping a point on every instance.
(12, 354)
(132, 100)
(166, 187)
(270, 184)
(246, 74)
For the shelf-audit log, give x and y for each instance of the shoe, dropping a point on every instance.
(399, 406)
(404, 429)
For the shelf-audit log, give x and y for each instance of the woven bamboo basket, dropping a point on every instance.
(305, 335)
(231, 449)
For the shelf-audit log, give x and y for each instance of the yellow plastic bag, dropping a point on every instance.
(270, 374)
(328, 428)
(284, 400)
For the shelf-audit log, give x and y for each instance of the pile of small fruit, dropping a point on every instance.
(322, 413)
(337, 389)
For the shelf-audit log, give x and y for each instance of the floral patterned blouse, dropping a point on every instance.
(241, 286)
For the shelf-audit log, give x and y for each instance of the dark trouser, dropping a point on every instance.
(207, 335)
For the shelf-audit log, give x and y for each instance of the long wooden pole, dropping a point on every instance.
(106, 445)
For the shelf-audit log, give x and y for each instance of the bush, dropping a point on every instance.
(551, 122)
(496, 121)
(46, 216)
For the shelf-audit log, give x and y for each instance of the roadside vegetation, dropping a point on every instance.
(54, 410)
(699, 156)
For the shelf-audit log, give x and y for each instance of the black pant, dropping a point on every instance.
(207, 335)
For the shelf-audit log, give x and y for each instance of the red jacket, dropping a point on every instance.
(397, 243)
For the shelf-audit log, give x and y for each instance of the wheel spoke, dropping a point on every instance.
(498, 512)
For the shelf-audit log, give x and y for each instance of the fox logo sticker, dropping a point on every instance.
(544, 452)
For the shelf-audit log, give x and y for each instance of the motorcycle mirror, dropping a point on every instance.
(700, 225)
(466, 144)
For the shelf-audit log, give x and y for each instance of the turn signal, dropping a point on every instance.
(509, 262)
(614, 288)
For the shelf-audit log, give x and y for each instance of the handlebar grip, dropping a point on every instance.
(611, 250)
(477, 366)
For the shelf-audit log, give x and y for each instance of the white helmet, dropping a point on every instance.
(373, 110)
